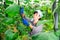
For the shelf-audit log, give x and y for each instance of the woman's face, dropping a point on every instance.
(36, 17)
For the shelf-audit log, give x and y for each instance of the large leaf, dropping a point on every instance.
(9, 21)
(10, 35)
(45, 36)
(12, 10)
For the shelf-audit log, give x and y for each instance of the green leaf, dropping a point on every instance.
(45, 36)
(9, 21)
(12, 10)
(10, 35)
(58, 33)
(8, 2)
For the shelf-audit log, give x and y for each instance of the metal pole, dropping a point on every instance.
(55, 21)
(55, 16)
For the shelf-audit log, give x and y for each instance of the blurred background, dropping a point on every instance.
(12, 28)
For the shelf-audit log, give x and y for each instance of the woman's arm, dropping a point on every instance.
(23, 15)
(25, 20)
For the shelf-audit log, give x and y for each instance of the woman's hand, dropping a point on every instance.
(31, 26)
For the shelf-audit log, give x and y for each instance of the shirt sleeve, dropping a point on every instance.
(25, 22)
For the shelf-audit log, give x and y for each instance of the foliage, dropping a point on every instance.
(11, 22)
(3, 27)
(48, 24)
(58, 33)
(45, 36)
(10, 35)
(8, 2)
(12, 10)
(58, 11)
